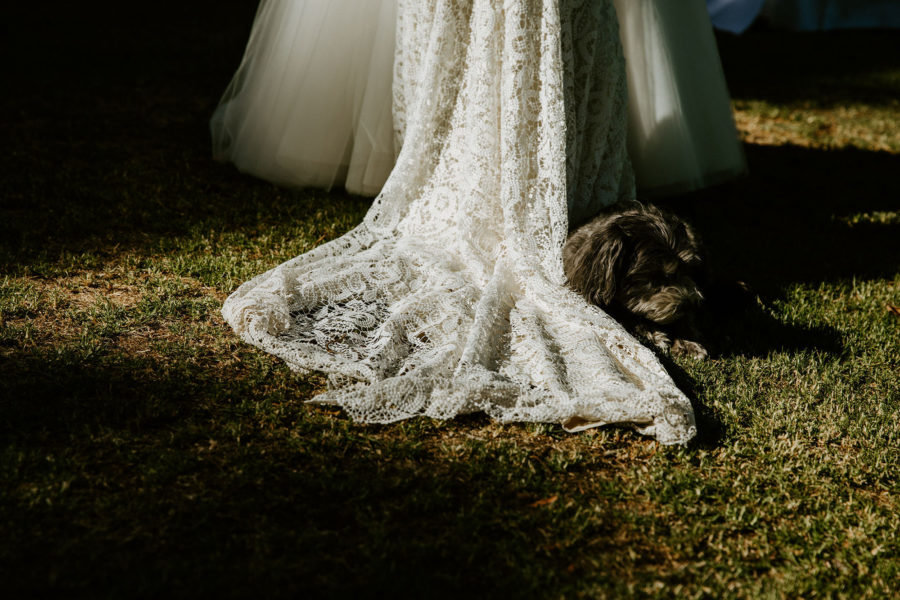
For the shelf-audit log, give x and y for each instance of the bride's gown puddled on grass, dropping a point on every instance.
(510, 120)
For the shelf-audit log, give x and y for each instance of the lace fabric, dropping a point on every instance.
(450, 297)
(310, 103)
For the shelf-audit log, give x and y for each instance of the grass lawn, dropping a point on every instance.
(145, 451)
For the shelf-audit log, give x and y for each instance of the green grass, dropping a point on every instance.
(145, 451)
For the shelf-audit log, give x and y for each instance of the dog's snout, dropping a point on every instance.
(687, 291)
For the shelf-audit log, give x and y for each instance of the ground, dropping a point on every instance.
(144, 450)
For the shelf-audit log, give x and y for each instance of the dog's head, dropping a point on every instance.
(640, 259)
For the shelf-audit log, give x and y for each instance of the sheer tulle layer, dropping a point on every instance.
(311, 102)
(681, 133)
(450, 297)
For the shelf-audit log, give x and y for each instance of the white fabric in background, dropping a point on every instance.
(681, 133)
(310, 103)
(450, 297)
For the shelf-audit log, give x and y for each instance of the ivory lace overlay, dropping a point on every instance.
(450, 296)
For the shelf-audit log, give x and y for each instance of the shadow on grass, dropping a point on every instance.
(743, 330)
(755, 332)
(790, 222)
(106, 130)
(822, 68)
(135, 479)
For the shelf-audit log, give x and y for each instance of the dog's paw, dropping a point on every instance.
(658, 339)
(689, 349)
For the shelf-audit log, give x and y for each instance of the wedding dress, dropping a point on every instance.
(681, 132)
(310, 104)
(509, 123)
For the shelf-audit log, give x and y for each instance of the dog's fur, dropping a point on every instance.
(645, 267)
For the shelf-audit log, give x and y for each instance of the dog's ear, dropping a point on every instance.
(608, 259)
(593, 259)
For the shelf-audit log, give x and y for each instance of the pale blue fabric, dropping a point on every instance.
(733, 15)
(811, 15)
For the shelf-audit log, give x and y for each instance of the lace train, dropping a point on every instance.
(450, 296)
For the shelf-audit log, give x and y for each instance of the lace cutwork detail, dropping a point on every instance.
(450, 296)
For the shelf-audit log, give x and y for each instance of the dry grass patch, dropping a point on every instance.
(762, 123)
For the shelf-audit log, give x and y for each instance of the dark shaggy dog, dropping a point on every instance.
(644, 267)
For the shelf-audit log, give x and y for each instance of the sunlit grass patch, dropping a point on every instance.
(806, 125)
(878, 217)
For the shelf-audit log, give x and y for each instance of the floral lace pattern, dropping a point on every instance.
(450, 297)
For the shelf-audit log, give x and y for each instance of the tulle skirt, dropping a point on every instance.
(681, 132)
(310, 104)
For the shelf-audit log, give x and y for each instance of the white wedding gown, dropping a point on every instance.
(311, 102)
(509, 122)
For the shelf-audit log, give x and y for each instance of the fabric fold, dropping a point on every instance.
(450, 297)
